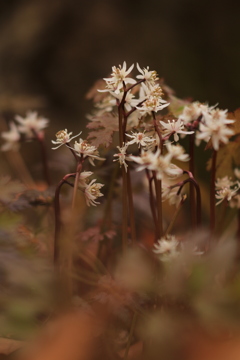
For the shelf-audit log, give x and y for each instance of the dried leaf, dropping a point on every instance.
(104, 126)
(228, 157)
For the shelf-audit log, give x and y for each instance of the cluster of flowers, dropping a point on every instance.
(30, 126)
(227, 190)
(139, 100)
(82, 149)
(208, 122)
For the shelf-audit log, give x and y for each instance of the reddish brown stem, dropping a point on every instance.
(152, 204)
(212, 192)
(192, 191)
(58, 217)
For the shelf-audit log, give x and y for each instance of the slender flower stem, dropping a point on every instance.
(158, 188)
(152, 204)
(76, 182)
(192, 180)
(120, 125)
(192, 170)
(58, 217)
(72, 151)
(157, 130)
(158, 183)
(212, 192)
(124, 183)
(124, 209)
(131, 209)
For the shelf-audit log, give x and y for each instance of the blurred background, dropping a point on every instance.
(51, 52)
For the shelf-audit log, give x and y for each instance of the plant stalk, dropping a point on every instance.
(212, 192)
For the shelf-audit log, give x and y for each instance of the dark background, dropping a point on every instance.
(52, 51)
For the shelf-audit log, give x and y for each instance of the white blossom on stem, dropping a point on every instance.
(32, 124)
(156, 162)
(167, 248)
(192, 112)
(152, 104)
(174, 127)
(83, 149)
(226, 193)
(121, 156)
(11, 137)
(149, 76)
(140, 138)
(63, 137)
(129, 102)
(224, 182)
(92, 192)
(214, 126)
(176, 152)
(84, 175)
(119, 74)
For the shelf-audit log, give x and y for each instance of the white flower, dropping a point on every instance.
(92, 192)
(121, 156)
(63, 137)
(224, 182)
(129, 102)
(176, 152)
(119, 74)
(140, 139)
(214, 127)
(167, 248)
(83, 177)
(150, 76)
(174, 127)
(152, 104)
(32, 124)
(158, 163)
(151, 91)
(83, 149)
(226, 193)
(11, 137)
(191, 112)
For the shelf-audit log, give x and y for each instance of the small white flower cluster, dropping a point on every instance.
(214, 126)
(82, 148)
(150, 93)
(226, 189)
(160, 163)
(209, 122)
(30, 126)
(91, 190)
